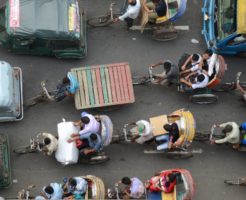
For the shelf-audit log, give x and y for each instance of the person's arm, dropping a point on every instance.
(224, 140)
(223, 125)
(182, 80)
(240, 89)
(185, 71)
(146, 7)
(189, 75)
(156, 64)
(186, 62)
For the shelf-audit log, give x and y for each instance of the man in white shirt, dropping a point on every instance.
(53, 191)
(142, 132)
(212, 62)
(201, 81)
(131, 13)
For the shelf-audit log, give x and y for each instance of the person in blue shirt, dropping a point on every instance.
(242, 129)
(94, 143)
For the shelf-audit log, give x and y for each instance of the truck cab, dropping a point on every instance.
(11, 97)
(224, 26)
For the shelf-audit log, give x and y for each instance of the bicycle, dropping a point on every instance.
(104, 20)
(208, 136)
(239, 181)
(143, 80)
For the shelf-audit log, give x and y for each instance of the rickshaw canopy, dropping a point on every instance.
(43, 19)
(241, 17)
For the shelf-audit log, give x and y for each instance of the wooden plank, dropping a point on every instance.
(108, 85)
(116, 82)
(104, 86)
(121, 84)
(90, 90)
(81, 100)
(112, 83)
(86, 92)
(99, 87)
(94, 83)
(124, 79)
(157, 124)
(129, 83)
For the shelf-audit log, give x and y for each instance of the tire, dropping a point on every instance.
(24, 150)
(203, 98)
(140, 80)
(97, 159)
(164, 34)
(179, 154)
(225, 87)
(201, 137)
(99, 21)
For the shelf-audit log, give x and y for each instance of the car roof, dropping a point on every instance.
(44, 19)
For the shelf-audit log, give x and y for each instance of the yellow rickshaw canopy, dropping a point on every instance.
(241, 17)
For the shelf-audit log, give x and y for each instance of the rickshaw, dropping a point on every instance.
(163, 29)
(68, 153)
(184, 188)
(95, 190)
(5, 170)
(224, 26)
(51, 28)
(11, 95)
(186, 124)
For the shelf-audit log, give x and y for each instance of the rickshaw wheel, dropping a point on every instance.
(143, 80)
(179, 154)
(201, 137)
(164, 36)
(204, 98)
(99, 21)
(97, 159)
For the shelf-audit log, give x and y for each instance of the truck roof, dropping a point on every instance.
(43, 19)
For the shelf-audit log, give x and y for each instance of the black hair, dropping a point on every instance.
(85, 120)
(93, 136)
(209, 52)
(66, 80)
(72, 182)
(133, 3)
(200, 78)
(167, 66)
(167, 127)
(126, 180)
(49, 190)
(195, 57)
(47, 141)
(172, 177)
(228, 128)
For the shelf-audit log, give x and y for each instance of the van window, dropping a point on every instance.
(65, 44)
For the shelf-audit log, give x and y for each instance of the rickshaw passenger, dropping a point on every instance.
(155, 9)
(50, 143)
(194, 59)
(201, 81)
(76, 187)
(231, 129)
(94, 142)
(88, 124)
(168, 76)
(53, 192)
(143, 131)
(131, 13)
(134, 187)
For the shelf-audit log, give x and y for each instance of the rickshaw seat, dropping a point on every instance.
(169, 196)
(160, 20)
(157, 124)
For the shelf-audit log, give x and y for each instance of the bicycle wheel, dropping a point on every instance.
(179, 154)
(232, 182)
(24, 150)
(143, 80)
(36, 100)
(203, 98)
(164, 35)
(201, 137)
(225, 87)
(99, 21)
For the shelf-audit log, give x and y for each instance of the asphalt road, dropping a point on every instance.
(115, 44)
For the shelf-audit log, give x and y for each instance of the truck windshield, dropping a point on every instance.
(227, 16)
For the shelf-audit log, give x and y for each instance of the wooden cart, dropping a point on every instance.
(103, 85)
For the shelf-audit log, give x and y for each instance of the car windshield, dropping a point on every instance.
(227, 16)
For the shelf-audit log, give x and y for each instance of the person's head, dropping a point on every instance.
(200, 78)
(47, 141)
(85, 120)
(167, 127)
(167, 66)
(227, 129)
(126, 180)
(132, 2)
(72, 182)
(194, 58)
(66, 80)
(93, 137)
(207, 54)
(49, 190)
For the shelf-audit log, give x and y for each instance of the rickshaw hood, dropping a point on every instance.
(44, 19)
(241, 17)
